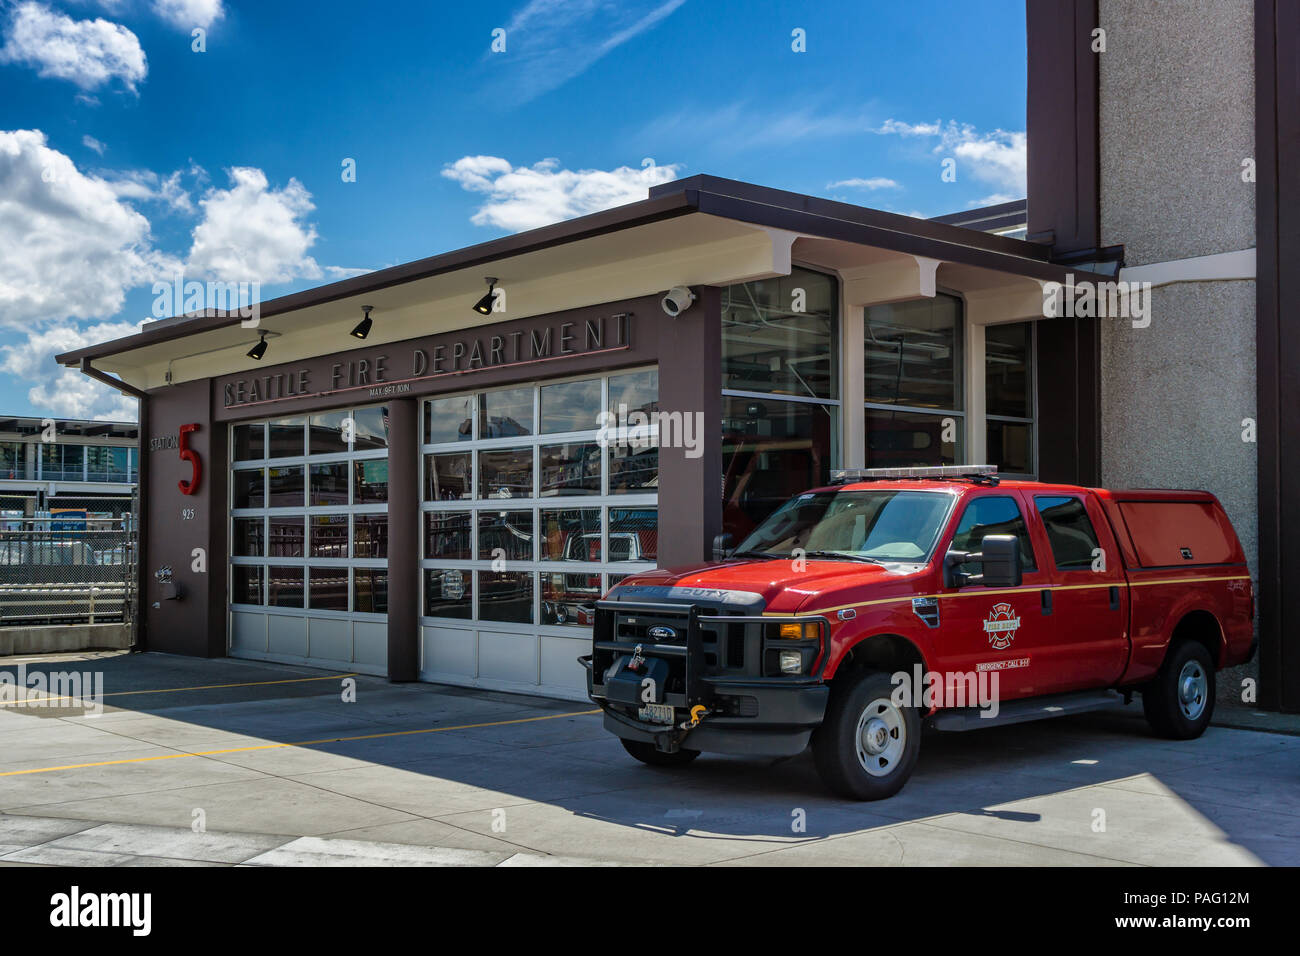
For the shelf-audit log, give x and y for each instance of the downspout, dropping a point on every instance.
(142, 489)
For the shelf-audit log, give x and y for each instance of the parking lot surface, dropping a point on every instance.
(220, 762)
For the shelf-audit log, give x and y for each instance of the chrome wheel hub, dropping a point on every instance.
(1193, 689)
(881, 737)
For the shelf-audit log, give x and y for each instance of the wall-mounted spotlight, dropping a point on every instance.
(363, 327)
(258, 350)
(484, 305)
(678, 300)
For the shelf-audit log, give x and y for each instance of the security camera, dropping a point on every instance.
(678, 300)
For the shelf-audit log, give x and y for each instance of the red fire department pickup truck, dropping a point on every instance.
(948, 596)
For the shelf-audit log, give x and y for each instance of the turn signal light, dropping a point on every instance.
(798, 631)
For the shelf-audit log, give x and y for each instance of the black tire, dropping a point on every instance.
(648, 754)
(1185, 682)
(836, 742)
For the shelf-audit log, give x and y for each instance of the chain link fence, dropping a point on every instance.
(68, 568)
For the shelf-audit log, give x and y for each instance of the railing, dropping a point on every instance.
(53, 574)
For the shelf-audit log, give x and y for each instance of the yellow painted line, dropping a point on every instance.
(177, 690)
(297, 743)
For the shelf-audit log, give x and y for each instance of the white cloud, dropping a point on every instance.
(69, 247)
(65, 392)
(549, 42)
(252, 233)
(898, 128)
(753, 125)
(526, 197)
(89, 53)
(188, 14)
(996, 158)
(875, 182)
(146, 185)
(90, 142)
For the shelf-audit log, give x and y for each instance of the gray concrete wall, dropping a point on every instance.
(65, 637)
(1177, 119)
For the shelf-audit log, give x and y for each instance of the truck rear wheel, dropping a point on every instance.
(867, 746)
(1179, 701)
(648, 754)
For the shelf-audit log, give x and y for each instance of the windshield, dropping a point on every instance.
(873, 525)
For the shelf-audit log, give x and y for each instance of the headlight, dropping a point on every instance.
(791, 662)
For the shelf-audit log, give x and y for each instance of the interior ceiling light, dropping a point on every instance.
(484, 305)
(258, 350)
(363, 327)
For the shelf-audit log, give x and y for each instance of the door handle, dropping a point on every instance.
(1114, 598)
(1047, 602)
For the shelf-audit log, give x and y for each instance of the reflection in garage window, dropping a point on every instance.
(329, 536)
(570, 535)
(505, 596)
(371, 484)
(328, 589)
(448, 592)
(448, 477)
(633, 534)
(505, 534)
(506, 473)
(633, 471)
(246, 584)
(370, 536)
(285, 539)
(284, 586)
(572, 469)
(370, 590)
(447, 535)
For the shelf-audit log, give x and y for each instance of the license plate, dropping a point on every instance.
(656, 713)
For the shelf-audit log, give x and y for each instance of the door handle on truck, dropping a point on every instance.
(1047, 602)
(1114, 598)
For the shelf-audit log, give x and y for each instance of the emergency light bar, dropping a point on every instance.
(927, 471)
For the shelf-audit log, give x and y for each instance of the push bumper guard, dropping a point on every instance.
(700, 657)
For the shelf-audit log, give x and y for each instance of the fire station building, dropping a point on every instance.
(430, 472)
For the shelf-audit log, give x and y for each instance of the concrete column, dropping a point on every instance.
(853, 449)
(690, 383)
(403, 540)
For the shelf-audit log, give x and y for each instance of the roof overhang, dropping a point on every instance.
(698, 231)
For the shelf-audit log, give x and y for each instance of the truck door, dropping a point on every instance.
(1089, 596)
(1002, 630)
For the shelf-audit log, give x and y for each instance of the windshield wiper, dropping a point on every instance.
(840, 556)
(767, 555)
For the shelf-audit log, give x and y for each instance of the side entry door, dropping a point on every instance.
(1002, 630)
(1090, 593)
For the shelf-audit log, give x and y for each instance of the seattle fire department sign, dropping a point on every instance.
(1001, 626)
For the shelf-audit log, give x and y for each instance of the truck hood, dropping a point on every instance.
(782, 589)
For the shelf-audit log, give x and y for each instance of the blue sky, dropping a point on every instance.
(127, 156)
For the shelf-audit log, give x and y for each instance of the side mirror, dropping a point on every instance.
(721, 547)
(1000, 556)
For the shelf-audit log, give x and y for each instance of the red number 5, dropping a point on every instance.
(187, 454)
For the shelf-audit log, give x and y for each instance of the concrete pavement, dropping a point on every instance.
(221, 762)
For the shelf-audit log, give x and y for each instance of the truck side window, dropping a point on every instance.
(993, 514)
(1073, 539)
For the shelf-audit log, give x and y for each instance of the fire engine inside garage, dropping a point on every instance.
(432, 472)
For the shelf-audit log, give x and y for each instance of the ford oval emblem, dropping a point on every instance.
(661, 632)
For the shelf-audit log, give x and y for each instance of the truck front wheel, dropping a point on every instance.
(1179, 702)
(867, 746)
(648, 754)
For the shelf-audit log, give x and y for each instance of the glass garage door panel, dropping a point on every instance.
(309, 537)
